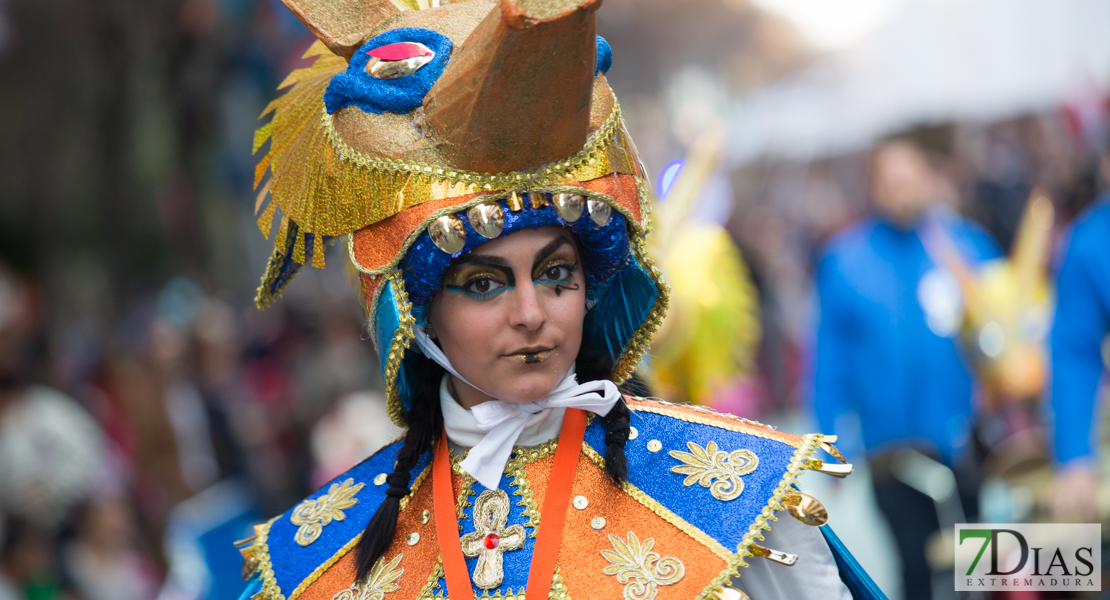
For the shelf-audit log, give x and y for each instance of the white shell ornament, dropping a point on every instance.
(486, 219)
(569, 206)
(448, 234)
(599, 211)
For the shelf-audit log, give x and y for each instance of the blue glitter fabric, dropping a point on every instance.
(606, 248)
(604, 56)
(725, 521)
(400, 95)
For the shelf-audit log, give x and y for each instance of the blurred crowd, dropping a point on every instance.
(182, 427)
(919, 297)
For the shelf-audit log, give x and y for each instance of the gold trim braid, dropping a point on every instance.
(805, 452)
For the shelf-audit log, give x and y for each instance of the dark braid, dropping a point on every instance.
(591, 366)
(425, 425)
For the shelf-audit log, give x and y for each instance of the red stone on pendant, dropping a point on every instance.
(492, 540)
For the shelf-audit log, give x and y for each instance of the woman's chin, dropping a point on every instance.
(529, 388)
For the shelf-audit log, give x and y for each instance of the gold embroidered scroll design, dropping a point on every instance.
(377, 584)
(491, 539)
(311, 516)
(640, 569)
(715, 469)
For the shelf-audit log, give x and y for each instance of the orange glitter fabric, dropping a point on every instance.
(580, 561)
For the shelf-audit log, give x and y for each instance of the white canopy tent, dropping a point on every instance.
(929, 61)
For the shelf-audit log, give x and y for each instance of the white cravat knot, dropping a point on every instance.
(499, 424)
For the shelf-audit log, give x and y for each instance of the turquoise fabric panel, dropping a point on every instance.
(621, 311)
(853, 575)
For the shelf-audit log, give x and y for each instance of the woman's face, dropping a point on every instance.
(509, 316)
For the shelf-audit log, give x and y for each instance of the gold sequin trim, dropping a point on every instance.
(378, 583)
(804, 452)
(400, 342)
(463, 501)
(261, 551)
(311, 516)
(715, 469)
(640, 569)
(429, 590)
(595, 150)
(515, 469)
(712, 418)
(635, 349)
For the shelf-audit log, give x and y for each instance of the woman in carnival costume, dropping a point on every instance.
(496, 211)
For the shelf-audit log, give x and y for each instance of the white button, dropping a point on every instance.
(597, 522)
(425, 516)
(380, 479)
(654, 446)
(580, 502)
(632, 433)
(413, 538)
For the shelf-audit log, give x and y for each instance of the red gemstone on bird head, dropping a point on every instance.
(492, 540)
(400, 51)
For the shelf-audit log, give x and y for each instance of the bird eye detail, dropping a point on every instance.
(397, 60)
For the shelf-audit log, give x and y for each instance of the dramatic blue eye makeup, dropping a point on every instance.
(391, 73)
(556, 273)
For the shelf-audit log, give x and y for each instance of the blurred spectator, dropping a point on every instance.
(357, 427)
(885, 348)
(27, 568)
(51, 451)
(1080, 346)
(102, 560)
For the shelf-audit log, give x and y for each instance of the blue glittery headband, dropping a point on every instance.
(603, 235)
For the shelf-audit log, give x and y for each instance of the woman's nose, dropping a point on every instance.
(526, 311)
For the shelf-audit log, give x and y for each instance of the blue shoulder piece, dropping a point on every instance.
(295, 544)
(853, 575)
(719, 474)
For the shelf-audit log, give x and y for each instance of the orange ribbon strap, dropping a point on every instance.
(553, 514)
(447, 530)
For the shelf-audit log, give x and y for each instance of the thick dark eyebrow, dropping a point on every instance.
(482, 260)
(548, 250)
(494, 263)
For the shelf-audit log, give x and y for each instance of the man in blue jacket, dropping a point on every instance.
(1079, 347)
(886, 346)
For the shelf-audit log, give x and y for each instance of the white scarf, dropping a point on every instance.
(492, 428)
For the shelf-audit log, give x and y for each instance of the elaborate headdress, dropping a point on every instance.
(422, 131)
